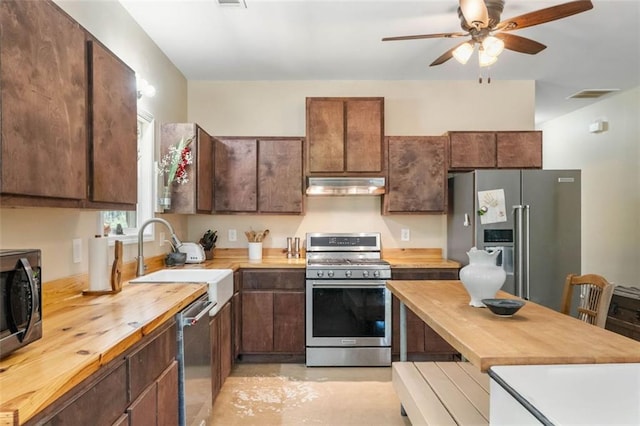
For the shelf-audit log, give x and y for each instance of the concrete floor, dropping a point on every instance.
(292, 394)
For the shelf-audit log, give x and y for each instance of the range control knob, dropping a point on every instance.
(347, 274)
(330, 274)
(376, 274)
(365, 274)
(320, 274)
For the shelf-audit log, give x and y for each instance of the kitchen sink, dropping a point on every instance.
(220, 281)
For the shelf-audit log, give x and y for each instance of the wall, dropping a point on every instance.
(52, 230)
(277, 108)
(610, 163)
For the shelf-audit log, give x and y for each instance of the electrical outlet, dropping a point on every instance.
(77, 250)
(162, 239)
(233, 235)
(405, 234)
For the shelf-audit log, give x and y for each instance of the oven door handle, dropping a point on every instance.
(346, 284)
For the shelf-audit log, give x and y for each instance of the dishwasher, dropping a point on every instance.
(194, 363)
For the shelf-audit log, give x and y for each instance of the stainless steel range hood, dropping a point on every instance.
(345, 185)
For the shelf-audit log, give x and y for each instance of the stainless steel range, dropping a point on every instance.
(348, 319)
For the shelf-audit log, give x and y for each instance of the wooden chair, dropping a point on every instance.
(595, 296)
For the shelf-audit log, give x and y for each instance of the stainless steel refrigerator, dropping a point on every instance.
(532, 215)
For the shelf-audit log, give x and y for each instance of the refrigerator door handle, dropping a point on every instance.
(518, 250)
(527, 284)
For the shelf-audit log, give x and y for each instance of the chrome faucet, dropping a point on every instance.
(175, 242)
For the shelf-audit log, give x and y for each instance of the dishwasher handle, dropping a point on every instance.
(193, 320)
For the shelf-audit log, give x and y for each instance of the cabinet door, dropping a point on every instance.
(114, 141)
(237, 325)
(257, 321)
(280, 176)
(519, 149)
(168, 410)
(43, 103)
(417, 174)
(226, 349)
(325, 135)
(204, 172)
(472, 150)
(235, 170)
(216, 380)
(288, 322)
(142, 412)
(364, 135)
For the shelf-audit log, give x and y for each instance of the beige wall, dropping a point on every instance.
(277, 108)
(53, 230)
(610, 163)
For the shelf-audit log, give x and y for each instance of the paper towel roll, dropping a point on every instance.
(99, 264)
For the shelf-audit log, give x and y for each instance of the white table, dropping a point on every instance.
(578, 394)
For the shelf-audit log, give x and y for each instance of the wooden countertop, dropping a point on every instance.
(427, 258)
(80, 335)
(534, 335)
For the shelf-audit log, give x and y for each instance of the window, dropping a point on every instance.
(124, 225)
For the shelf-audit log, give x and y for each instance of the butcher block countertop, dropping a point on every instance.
(427, 258)
(80, 335)
(534, 335)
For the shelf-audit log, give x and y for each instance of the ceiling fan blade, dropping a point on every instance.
(520, 44)
(415, 37)
(446, 55)
(544, 15)
(475, 13)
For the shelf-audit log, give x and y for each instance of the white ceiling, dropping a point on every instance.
(341, 40)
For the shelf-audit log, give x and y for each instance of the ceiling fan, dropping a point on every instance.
(480, 19)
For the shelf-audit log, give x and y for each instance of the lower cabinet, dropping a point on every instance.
(423, 343)
(221, 347)
(137, 388)
(273, 312)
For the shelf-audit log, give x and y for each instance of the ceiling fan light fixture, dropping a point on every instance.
(493, 46)
(463, 52)
(485, 59)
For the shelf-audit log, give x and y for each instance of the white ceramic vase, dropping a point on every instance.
(482, 278)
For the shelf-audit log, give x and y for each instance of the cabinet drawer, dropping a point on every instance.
(273, 279)
(146, 364)
(97, 403)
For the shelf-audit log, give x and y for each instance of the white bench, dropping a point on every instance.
(442, 393)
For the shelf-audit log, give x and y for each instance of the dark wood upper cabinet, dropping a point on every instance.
(345, 135)
(280, 176)
(519, 149)
(259, 175)
(114, 141)
(43, 85)
(235, 171)
(196, 195)
(417, 181)
(69, 113)
(489, 150)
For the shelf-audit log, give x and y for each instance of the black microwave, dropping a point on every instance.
(20, 299)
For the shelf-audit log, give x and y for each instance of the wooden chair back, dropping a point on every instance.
(595, 296)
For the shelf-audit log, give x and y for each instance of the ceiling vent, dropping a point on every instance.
(592, 93)
(237, 3)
